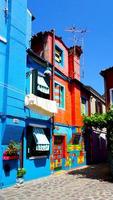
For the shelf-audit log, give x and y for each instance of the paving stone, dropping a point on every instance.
(84, 184)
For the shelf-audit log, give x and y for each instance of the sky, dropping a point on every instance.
(95, 16)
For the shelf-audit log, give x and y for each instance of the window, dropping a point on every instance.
(60, 95)
(111, 96)
(40, 85)
(76, 139)
(84, 106)
(98, 106)
(42, 143)
(38, 141)
(58, 55)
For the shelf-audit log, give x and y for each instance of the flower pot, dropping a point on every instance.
(5, 157)
(19, 180)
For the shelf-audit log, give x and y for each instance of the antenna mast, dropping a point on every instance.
(78, 37)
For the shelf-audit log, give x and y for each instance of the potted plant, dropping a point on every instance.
(12, 151)
(20, 175)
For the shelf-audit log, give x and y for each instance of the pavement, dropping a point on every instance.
(86, 183)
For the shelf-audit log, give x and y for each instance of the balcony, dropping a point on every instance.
(40, 105)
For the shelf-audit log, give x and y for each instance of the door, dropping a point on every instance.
(59, 150)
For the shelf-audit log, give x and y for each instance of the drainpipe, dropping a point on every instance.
(53, 64)
(53, 61)
(53, 72)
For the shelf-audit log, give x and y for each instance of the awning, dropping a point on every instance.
(42, 85)
(41, 105)
(42, 143)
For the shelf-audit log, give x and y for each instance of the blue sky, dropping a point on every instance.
(94, 15)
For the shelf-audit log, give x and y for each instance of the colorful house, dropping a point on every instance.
(67, 141)
(25, 108)
(42, 99)
(39, 109)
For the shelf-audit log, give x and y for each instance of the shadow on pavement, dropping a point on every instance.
(100, 172)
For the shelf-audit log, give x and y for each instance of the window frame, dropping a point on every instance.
(61, 64)
(111, 96)
(62, 108)
(38, 93)
(86, 106)
(77, 137)
(98, 107)
(31, 143)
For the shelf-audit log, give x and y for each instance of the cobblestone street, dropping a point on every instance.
(83, 184)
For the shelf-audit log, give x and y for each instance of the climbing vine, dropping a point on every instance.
(102, 121)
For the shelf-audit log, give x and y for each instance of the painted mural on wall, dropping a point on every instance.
(67, 149)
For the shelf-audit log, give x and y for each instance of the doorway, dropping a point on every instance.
(59, 150)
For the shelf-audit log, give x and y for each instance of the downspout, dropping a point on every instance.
(53, 70)
(52, 82)
(53, 61)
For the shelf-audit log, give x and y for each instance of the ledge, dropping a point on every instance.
(36, 157)
(5, 157)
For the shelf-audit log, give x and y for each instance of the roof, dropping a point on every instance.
(95, 93)
(80, 84)
(90, 90)
(103, 72)
(41, 35)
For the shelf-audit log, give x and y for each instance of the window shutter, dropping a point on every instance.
(34, 81)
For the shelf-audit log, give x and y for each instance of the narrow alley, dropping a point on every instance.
(86, 183)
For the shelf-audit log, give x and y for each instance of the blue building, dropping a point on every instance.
(15, 20)
(37, 139)
(20, 120)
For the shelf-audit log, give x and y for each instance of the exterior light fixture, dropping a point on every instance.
(47, 72)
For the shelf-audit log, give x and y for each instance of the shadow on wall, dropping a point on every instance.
(9, 165)
(95, 147)
(40, 162)
(12, 132)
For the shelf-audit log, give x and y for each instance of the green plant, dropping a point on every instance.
(12, 149)
(21, 172)
(102, 121)
(96, 120)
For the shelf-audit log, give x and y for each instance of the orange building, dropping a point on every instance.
(68, 92)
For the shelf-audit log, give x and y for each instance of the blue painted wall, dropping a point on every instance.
(3, 34)
(16, 62)
(14, 40)
(39, 167)
(63, 130)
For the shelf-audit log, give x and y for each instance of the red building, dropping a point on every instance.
(108, 84)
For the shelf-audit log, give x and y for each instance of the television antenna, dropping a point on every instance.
(78, 38)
